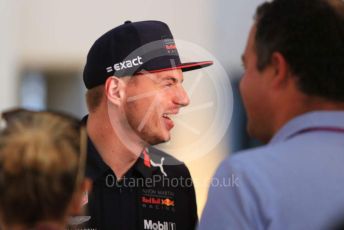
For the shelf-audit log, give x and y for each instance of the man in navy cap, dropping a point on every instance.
(134, 79)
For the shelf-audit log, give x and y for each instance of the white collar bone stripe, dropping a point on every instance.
(161, 165)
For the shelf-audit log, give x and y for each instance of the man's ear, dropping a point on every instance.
(281, 74)
(115, 90)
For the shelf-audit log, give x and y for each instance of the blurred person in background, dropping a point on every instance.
(134, 79)
(293, 93)
(42, 164)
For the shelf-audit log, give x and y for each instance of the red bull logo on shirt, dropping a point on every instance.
(167, 202)
(150, 200)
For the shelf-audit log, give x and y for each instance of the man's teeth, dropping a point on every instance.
(165, 115)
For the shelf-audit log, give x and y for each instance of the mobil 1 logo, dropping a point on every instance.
(158, 225)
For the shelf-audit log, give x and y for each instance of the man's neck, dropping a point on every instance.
(120, 154)
(305, 105)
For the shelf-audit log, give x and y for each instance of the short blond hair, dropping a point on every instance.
(94, 97)
(41, 166)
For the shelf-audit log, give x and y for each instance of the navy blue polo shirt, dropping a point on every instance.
(151, 195)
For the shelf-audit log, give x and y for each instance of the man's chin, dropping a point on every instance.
(158, 140)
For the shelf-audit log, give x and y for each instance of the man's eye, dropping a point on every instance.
(169, 83)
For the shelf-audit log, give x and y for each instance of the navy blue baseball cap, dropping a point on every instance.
(134, 48)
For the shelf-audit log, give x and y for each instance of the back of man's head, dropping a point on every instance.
(310, 35)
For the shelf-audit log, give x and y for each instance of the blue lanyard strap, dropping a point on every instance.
(314, 129)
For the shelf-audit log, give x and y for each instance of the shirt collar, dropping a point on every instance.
(96, 167)
(309, 120)
(143, 165)
(95, 164)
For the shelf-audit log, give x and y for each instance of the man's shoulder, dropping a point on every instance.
(258, 158)
(268, 161)
(264, 153)
(252, 154)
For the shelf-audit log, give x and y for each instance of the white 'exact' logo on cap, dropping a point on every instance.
(125, 64)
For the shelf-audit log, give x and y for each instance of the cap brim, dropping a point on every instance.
(186, 66)
(194, 65)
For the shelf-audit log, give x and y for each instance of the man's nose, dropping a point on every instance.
(182, 97)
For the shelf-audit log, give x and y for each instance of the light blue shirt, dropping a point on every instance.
(294, 182)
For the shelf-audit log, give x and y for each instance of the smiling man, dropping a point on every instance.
(134, 79)
(292, 90)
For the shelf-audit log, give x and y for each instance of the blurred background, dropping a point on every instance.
(44, 43)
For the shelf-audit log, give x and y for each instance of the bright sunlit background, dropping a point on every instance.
(44, 43)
